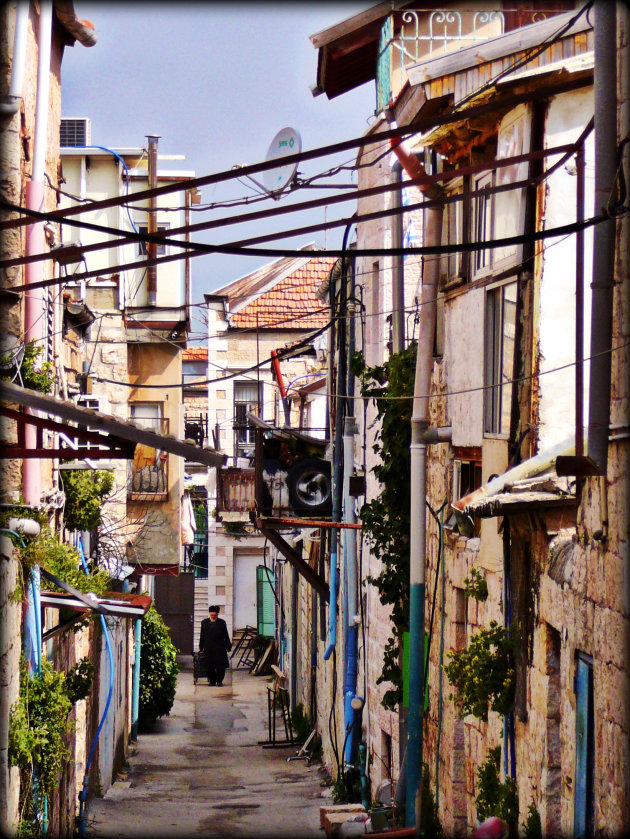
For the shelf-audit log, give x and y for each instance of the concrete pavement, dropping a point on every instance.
(203, 772)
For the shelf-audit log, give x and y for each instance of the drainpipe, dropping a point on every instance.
(418, 452)
(605, 94)
(10, 104)
(135, 696)
(35, 237)
(339, 404)
(152, 219)
(277, 372)
(398, 274)
(350, 557)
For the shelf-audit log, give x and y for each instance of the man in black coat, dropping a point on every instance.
(215, 644)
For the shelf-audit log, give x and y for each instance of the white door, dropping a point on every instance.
(245, 589)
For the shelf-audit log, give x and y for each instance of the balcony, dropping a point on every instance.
(409, 36)
(147, 473)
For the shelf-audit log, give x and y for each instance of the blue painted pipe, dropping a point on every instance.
(416, 700)
(135, 702)
(332, 610)
(83, 793)
(350, 689)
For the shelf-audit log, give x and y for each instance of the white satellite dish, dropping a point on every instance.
(286, 142)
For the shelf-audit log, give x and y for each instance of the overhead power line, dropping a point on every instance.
(126, 236)
(417, 127)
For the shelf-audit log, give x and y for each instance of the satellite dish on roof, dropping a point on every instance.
(286, 142)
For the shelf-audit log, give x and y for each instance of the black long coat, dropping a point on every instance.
(214, 642)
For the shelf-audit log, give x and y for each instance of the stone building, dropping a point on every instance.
(525, 488)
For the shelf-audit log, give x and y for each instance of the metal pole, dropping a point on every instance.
(152, 220)
(579, 308)
(605, 90)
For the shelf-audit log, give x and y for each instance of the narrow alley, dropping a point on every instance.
(203, 771)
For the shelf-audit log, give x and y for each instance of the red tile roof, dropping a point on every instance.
(290, 303)
(195, 354)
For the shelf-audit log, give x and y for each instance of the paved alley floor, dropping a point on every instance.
(203, 772)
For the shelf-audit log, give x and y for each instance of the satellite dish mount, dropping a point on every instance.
(287, 142)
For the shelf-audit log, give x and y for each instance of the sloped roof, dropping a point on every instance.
(281, 294)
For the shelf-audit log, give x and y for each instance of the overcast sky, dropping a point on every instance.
(216, 81)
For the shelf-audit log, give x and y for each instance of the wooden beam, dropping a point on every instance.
(103, 422)
(302, 567)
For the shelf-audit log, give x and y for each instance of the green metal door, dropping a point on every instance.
(265, 610)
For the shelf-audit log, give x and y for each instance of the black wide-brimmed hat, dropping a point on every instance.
(214, 609)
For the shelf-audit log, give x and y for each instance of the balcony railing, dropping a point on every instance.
(409, 35)
(147, 476)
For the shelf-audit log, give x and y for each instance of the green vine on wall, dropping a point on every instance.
(476, 586)
(38, 726)
(386, 519)
(85, 492)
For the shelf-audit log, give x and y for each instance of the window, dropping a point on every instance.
(149, 476)
(194, 371)
(454, 266)
(146, 415)
(499, 361)
(143, 246)
(246, 400)
(482, 222)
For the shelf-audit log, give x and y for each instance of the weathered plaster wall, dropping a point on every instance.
(567, 116)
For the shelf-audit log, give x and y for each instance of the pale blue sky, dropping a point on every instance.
(216, 81)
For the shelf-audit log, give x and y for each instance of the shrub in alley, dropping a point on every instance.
(158, 670)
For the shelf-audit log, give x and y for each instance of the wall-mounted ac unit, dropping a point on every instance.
(75, 133)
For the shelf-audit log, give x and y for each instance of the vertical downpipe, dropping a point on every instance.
(35, 237)
(605, 89)
(152, 220)
(135, 697)
(418, 458)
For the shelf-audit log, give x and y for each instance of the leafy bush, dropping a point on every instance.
(158, 669)
(495, 798)
(85, 492)
(532, 828)
(79, 679)
(34, 376)
(483, 674)
(62, 560)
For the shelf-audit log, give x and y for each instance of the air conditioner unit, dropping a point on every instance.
(75, 133)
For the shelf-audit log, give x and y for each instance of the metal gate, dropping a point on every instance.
(175, 601)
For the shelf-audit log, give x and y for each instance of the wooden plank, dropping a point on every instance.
(508, 44)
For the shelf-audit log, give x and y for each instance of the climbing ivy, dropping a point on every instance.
(38, 725)
(385, 518)
(85, 492)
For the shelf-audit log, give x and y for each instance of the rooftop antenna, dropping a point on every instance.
(286, 142)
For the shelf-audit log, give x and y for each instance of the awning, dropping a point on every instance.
(97, 421)
(111, 603)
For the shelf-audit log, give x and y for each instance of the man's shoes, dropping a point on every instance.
(212, 684)
(219, 684)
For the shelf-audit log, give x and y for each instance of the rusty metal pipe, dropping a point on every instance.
(152, 220)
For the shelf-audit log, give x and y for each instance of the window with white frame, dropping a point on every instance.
(454, 265)
(246, 400)
(482, 221)
(500, 332)
(143, 247)
(146, 415)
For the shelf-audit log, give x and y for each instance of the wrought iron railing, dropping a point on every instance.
(409, 35)
(147, 476)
